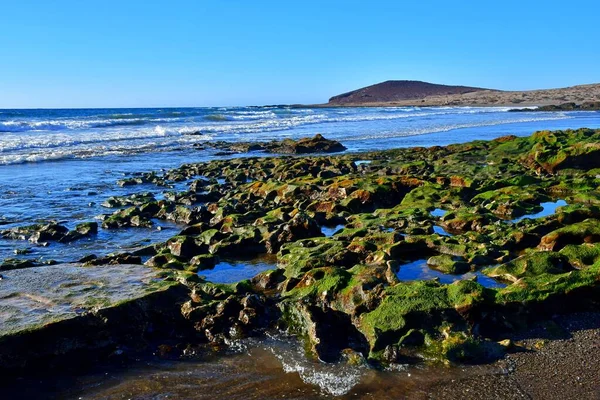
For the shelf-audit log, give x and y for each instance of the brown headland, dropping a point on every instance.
(417, 93)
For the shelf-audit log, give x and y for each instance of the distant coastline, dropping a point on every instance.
(423, 94)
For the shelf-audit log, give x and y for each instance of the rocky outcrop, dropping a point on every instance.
(585, 106)
(314, 145)
(51, 232)
(65, 315)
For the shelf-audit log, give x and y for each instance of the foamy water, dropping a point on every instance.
(40, 135)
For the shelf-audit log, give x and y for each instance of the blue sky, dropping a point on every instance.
(240, 52)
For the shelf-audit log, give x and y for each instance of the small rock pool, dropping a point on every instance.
(549, 208)
(233, 271)
(419, 270)
(440, 231)
(361, 162)
(331, 230)
(438, 212)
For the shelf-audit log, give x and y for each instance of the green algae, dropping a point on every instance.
(385, 209)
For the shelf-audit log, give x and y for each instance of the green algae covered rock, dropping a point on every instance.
(587, 231)
(418, 305)
(553, 151)
(532, 264)
(449, 264)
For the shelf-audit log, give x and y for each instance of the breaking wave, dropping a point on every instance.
(38, 135)
(334, 379)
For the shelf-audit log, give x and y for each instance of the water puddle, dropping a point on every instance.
(419, 270)
(182, 186)
(438, 212)
(362, 162)
(330, 231)
(549, 208)
(106, 241)
(232, 271)
(441, 231)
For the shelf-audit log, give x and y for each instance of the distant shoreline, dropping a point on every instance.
(423, 94)
(585, 106)
(376, 105)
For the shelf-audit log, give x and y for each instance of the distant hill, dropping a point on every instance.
(390, 91)
(417, 93)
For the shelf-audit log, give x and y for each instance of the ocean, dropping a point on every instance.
(54, 135)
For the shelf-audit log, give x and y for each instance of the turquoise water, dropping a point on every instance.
(62, 164)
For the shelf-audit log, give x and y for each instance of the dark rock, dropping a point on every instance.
(317, 144)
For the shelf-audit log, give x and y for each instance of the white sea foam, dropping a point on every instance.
(280, 124)
(52, 140)
(450, 127)
(50, 136)
(75, 124)
(334, 379)
(16, 149)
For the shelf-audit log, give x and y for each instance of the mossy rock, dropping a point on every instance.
(531, 265)
(449, 264)
(587, 231)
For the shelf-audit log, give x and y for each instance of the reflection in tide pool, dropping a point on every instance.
(360, 162)
(419, 270)
(233, 271)
(330, 231)
(440, 231)
(438, 212)
(549, 208)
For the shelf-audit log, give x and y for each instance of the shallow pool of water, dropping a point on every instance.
(361, 162)
(330, 231)
(441, 231)
(438, 212)
(419, 270)
(549, 208)
(232, 271)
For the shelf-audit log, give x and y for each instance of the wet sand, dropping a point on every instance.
(561, 362)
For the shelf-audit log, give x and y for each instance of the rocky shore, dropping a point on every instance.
(348, 245)
(316, 144)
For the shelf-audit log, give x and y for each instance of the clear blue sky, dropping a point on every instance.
(240, 52)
